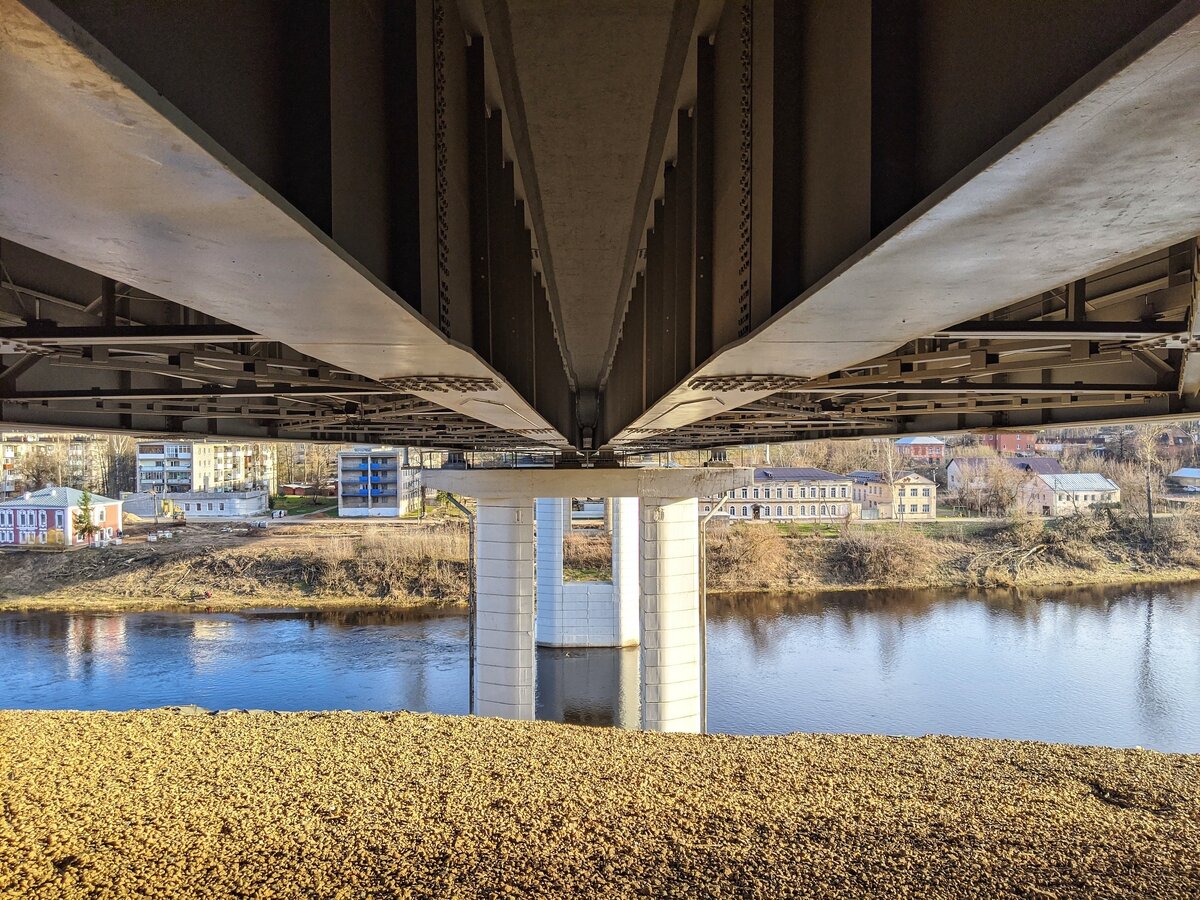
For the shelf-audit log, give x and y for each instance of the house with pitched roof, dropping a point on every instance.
(1067, 494)
(47, 517)
(922, 449)
(970, 472)
(906, 496)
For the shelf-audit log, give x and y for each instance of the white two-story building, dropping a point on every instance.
(801, 494)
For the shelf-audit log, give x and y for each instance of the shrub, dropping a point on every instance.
(878, 555)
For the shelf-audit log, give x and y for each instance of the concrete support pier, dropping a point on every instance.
(653, 598)
(670, 613)
(504, 591)
(586, 613)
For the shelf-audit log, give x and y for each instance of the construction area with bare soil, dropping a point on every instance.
(194, 805)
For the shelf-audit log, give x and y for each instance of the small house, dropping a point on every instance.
(1065, 495)
(50, 517)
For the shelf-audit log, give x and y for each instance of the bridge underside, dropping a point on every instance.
(618, 225)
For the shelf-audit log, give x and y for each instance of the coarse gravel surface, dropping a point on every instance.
(173, 805)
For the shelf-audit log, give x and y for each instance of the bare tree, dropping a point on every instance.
(120, 465)
(41, 465)
(1143, 445)
(888, 456)
(1002, 486)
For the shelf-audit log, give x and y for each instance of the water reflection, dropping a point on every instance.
(1108, 666)
(588, 686)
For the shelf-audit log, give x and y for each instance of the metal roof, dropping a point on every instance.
(1079, 481)
(1185, 472)
(920, 440)
(799, 473)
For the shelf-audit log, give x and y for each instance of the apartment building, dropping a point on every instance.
(176, 467)
(906, 496)
(377, 481)
(801, 494)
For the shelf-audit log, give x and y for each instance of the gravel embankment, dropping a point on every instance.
(162, 804)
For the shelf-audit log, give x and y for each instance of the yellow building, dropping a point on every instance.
(907, 497)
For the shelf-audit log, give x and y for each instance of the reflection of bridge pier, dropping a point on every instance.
(588, 686)
(668, 583)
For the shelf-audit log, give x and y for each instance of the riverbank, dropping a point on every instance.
(402, 805)
(337, 563)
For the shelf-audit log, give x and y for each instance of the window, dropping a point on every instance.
(745, 511)
(843, 491)
(812, 510)
(913, 508)
(824, 510)
(791, 492)
(924, 492)
(925, 507)
(745, 494)
(756, 493)
(822, 493)
(791, 510)
(803, 493)
(707, 508)
(210, 507)
(222, 508)
(766, 510)
(779, 510)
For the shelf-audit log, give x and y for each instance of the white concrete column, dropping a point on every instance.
(550, 532)
(504, 585)
(626, 568)
(586, 613)
(670, 615)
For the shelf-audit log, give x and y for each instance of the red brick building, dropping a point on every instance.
(1010, 442)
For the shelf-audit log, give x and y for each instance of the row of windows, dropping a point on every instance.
(187, 507)
(28, 518)
(805, 493)
(826, 509)
(912, 492)
(1086, 498)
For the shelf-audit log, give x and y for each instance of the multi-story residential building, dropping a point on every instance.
(922, 449)
(1009, 442)
(1065, 495)
(175, 467)
(47, 517)
(377, 481)
(965, 473)
(907, 496)
(790, 494)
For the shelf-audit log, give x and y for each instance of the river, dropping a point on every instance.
(1112, 666)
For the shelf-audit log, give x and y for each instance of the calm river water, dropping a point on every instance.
(1103, 666)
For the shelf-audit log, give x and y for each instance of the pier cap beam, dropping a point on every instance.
(653, 484)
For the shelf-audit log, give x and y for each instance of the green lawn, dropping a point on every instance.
(296, 506)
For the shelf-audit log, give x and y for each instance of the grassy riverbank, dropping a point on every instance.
(400, 805)
(407, 564)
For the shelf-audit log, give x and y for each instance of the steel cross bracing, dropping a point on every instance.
(598, 229)
(1063, 356)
